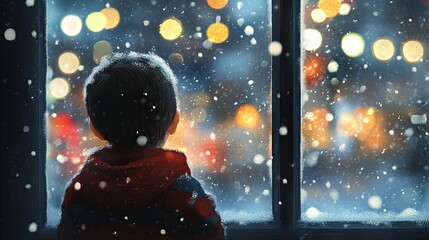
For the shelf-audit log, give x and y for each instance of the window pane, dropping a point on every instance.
(221, 59)
(365, 148)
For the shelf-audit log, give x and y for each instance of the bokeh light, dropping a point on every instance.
(312, 39)
(412, 51)
(10, 34)
(330, 7)
(96, 21)
(314, 69)
(59, 88)
(344, 9)
(217, 4)
(366, 124)
(101, 48)
(71, 25)
(198, 114)
(217, 33)
(383, 49)
(275, 48)
(318, 15)
(112, 17)
(68, 62)
(353, 44)
(315, 128)
(247, 116)
(170, 29)
(176, 58)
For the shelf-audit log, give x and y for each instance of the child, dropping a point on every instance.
(134, 189)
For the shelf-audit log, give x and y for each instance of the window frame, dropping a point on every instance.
(286, 149)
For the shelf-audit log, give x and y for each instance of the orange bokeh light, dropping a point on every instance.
(112, 16)
(314, 69)
(330, 7)
(217, 4)
(315, 128)
(247, 116)
(366, 124)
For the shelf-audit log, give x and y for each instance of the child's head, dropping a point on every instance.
(131, 99)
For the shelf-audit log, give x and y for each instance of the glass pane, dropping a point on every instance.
(365, 78)
(220, 56)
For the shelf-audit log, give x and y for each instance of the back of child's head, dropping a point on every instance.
(131, 99)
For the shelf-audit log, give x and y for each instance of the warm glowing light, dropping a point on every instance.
(275, 48)
(330, 7)
(198, 114)
(353, 44)
(412, 51)
(217, 33)
(383, 49)
(59, 88)
(375, 202)
(247, 116)
(345, 9)
(366, 124)
(315, 128)
(101, 49)
(96, 21)
(318, 15)
(170, 29)
(68, 62)
(314, 69)
(217, 4)
(112, 17)
(312, 39)
(71, 25)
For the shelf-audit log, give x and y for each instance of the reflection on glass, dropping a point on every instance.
(221, 56)
(365, 135)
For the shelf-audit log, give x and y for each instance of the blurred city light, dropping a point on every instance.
(59, 88)
(68, 62)
(96, 21)
(170, 29)
(383, 49)
(217, 33)
(412, 51)
(71, 25)
(353, 44)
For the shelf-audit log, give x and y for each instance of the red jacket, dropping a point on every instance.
(137, 193)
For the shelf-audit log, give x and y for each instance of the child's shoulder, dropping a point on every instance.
(188, 183)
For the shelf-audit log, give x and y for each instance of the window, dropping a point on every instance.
(365, 147)
(297, 104)
(219, 52)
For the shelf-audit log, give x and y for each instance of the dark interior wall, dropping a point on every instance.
(19, 120)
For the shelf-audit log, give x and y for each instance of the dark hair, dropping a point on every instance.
(131, 99)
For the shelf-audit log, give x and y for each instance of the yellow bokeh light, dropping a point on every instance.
(383, 49)
(68, 62)
(318, 15)
(112, 17)
(217, 4)
(330, 7)
(170, 29)
(353, 44)
(71, 25)
(96, 21)
(247, 116)
(412, 51)
(101, 49)
(59, 88)
(217, 33)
